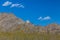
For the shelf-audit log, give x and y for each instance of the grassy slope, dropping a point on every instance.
(25, 36)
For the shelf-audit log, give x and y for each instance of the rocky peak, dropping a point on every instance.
(9, 21)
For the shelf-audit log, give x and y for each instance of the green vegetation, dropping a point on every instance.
(28, 36)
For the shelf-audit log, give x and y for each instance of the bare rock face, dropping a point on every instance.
(53, 28)
(9, 22)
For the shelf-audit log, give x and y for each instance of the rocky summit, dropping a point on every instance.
(9, 22)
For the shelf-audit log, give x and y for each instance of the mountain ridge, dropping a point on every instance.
(10, 23)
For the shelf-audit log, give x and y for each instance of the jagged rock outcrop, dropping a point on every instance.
(9, 22)
(53, 28)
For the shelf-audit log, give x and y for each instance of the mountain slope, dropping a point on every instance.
(9, 22)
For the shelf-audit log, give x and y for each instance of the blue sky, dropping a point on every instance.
(41, 12)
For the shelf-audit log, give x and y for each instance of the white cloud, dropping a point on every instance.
(7, 3)
(27, 21)
(44, 18)
(22, 6)
(39, 18)
(47, 18)
(17, 5)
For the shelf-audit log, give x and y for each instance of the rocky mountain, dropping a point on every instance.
(53, 28)
(10, 23)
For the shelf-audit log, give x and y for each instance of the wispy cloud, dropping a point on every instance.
(44, 18)
(47, 18)
(27, 21)
(7, 3)
(17, 5)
